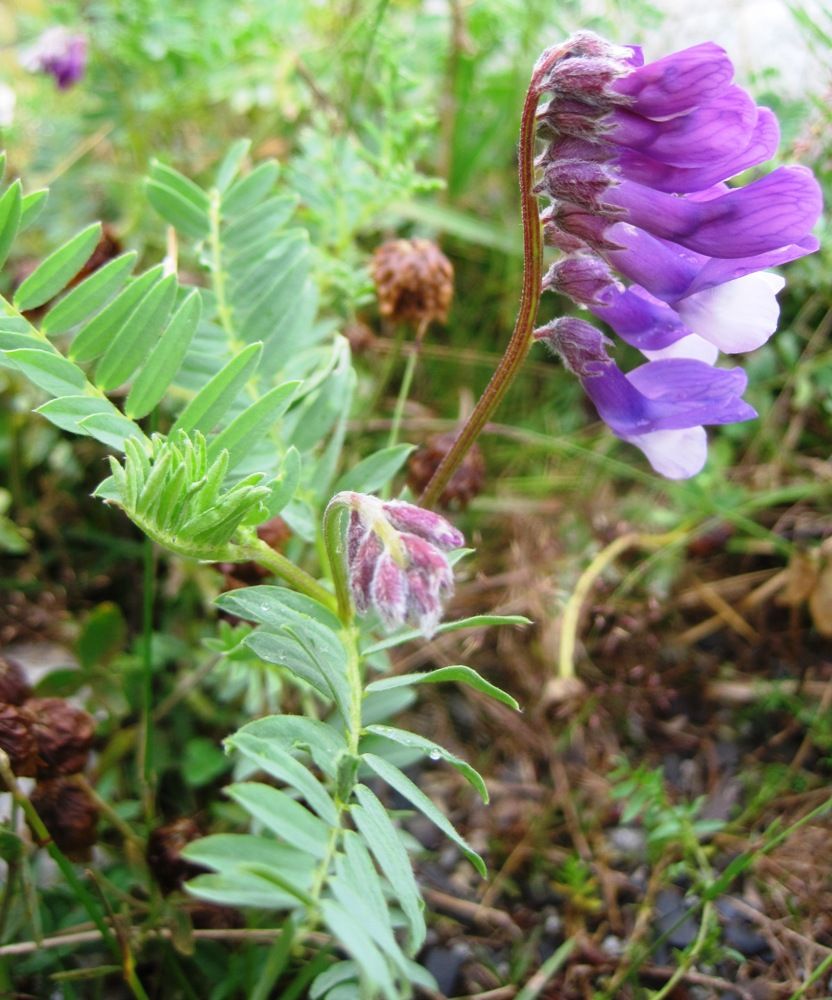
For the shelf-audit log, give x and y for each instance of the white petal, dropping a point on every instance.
(692, 347)
(674, 454)
(736, 316)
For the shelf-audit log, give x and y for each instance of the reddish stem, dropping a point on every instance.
(521, 338)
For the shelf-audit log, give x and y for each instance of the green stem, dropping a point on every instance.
(144, 756)
(334, 542)
(521, 339)
(401, 399)
(44, 839)
(262, 553)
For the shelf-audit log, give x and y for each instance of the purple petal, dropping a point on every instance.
(362, 570)
(769, 213)
(388, 591)
(432, 527)
(762, 145)
(692, 347)
(712, 131)
(641, 319)
(677, 83)
(716, 272)
(664, 269)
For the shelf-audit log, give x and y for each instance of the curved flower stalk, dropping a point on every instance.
(656, 244)
(395, 559)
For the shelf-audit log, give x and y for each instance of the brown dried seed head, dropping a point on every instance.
(414, 281)
(14, 688)
(466, 482)
(164, 853)
(18, 739)
(69, 814)
(63, 736)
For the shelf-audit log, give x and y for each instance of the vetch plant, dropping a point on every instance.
(227, 402)
(635, 165)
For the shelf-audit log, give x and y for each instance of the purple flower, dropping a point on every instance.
(60, 53)
(661, 406)
(658, 245)
(396, 561)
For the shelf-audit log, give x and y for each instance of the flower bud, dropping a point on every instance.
(18, 740)
(581, 347)
(414, 281)
(164, 853)
(467, 480)
(577, 182)
(63, 736)
(69, 814)
(60, 53)
(396, 562)
(584, 278)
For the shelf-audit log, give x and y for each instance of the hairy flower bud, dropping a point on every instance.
(63, 736)
(69, 814)
(585, 278)
(414, 281)
(396, 561)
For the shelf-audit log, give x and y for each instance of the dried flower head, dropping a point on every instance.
(18, 740)
(63, 736)
(164, 853)
(60, 53)
(396, 560)
(414, 281)
(69, 813)
(14, 687)
(659, 246)
(467, 480)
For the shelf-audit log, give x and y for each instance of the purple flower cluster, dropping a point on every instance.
(60, 53)
(396, 560)
(656, 244)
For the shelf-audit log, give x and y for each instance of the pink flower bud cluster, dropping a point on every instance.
(396, 560)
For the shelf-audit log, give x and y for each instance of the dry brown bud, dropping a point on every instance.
(14, 687)
(360, 337)
(18, 740)
(63, 736)
(164, 853)
(414, 281)
(466, 482)
(69, 814)
(275, 533)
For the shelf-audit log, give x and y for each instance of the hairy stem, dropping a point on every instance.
(264, 554)
(521, 338)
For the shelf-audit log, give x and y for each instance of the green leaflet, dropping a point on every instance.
(161, 367)
(458, 674)
(10, 212)
(52, 274)
(93, 338)
(254, 421)
(89, 296)
(212, 401)
(382, 838)
(375, 471)
(475, 621)
(137, 336)
(280, 764)
(404, 786)
(248, 191)
(51, 372)
(434, 751)
(282, 815)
